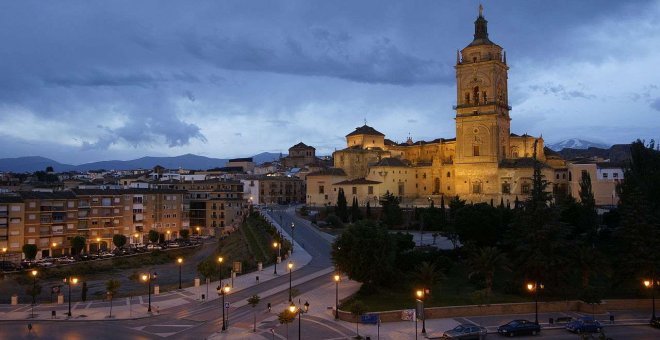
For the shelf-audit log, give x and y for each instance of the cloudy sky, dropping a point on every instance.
(83, 81)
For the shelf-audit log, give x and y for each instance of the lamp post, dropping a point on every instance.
(220, 260)
(69, 281)
(4, 254)
(53, 252)
(34, 289)
(98, 250)
(222, 291)
(293, 228)
(421, 295)
(180, 262)
(651, 284)
(337, 278)
(277, 245)
(295, 309)
(534, 287)
(147, 278)
(135, 239)
(198, 231)
(290, 266)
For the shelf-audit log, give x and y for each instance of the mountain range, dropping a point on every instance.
(576, 143)
(187, 161)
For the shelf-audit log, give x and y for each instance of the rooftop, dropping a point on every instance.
(365, 130)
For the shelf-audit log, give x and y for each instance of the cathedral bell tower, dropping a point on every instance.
(482, 105)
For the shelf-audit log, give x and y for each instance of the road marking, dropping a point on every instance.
(327, 326)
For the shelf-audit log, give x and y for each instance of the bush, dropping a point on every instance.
(334, 221)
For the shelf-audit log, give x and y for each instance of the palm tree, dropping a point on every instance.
(427, 274)
(486, 261)
(254, 301)
(112, 286)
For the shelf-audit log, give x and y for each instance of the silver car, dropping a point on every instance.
(466, 331)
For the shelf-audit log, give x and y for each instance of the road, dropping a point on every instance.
(199, 319)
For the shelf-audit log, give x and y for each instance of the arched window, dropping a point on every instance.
(467, 97)
(448, 174)
(476, 94)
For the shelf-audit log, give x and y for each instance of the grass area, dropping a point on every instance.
(258, 240)
(113, 265)
(454, 290)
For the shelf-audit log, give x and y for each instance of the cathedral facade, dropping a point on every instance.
(484, 163)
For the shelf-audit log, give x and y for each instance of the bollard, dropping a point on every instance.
(257, 279)
(203, 296)
(53, 314)
(14, 300)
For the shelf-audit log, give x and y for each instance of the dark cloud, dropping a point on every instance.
(656, 104)
(321, 52)
(560, 91)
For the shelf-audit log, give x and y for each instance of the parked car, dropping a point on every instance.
(466, 331)
(584, 324)
(518, 327)
(655, 322)
(9, 266)
(154, 247)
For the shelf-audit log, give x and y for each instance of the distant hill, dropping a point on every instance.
(576, 143)
(188, 161)
(616, 153)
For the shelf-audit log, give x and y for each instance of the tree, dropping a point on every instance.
(357, 309)
(185, 233)
(356, 214)
(254, 301)
(49, 169)
(427, 274)
(391, 215)
(342, 206)
(285, 318)
(478, 224)
(366, 252)
(588, 217)
(112, 286)
(486, 261)
(639, 211)
(30, 251)
(208, 268)
(119, 240)
(78, 244)
(368, 212)
(153, 236)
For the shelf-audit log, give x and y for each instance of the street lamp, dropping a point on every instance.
(295, 309)
(223, 291)
(421, 295)
(198, 233)
(220, 260)
(34, 289)
(534, 287)
(147, 278)
(290, 266)
(69, 281)
(180, 262)
(651, 284)
(293, 228)
(136, 238)
(168, 234)
(98, 250)
(277, 245)
(4, 253)
(337, 278)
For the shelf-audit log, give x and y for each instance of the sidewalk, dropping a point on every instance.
(136, 307)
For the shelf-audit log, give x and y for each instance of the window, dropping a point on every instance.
(476, 187)
(525, 188)
(557, 176)
(570, 176)
(321, 189)
(615, 175)
(354, 190)
(604, 174)
(475, 150)
(370, 190)
(448, 174)
(506, 188)
(15, 208)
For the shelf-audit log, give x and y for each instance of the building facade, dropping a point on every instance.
(484, 162)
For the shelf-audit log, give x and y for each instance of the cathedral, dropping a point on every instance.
(486, 162)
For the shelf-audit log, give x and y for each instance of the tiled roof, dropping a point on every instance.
(365, 130)
(46, 195)
(301, 145)
(390, 161)
(328, 172)
(357, 181)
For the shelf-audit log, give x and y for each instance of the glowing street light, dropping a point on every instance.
(223, 291)
(651, 284)
(534, 287)
(293, 309)
(277, 245)
(34, 289)
(147, 278)
(70, 281)
(337, 279)
(179, 261)
(290, 266)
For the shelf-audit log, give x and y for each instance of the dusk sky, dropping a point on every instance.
(83, 81)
